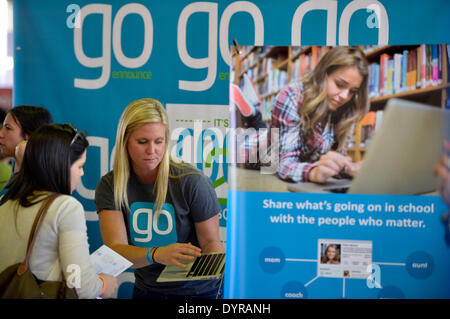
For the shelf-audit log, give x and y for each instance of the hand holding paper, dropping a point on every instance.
(107, 261)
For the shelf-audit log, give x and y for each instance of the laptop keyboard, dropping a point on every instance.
(207, 265)
(338, 189)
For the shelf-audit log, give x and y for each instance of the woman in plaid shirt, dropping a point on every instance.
(315, 117)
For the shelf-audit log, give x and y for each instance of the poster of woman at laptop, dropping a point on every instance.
(319, 108)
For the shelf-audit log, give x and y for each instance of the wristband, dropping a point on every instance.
(307, 172)
(153, 253)
(104, 284)
(150, 260)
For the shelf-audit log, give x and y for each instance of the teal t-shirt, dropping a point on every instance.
(190, 198)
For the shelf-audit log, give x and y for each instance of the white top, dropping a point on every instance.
(62, 240)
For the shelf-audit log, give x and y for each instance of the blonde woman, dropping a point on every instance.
(153, 210)
(315, 117)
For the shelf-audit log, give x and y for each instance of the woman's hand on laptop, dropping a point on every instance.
(174, 253)
(329, 164)
(353, 168)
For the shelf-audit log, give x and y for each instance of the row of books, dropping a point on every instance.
(297, 49)
(259, 71)
(393, 73)
(369, 126)
(276, 79)
(252, 55)
(409, 70)
(370, 48)
(307, 62)
(270, 79)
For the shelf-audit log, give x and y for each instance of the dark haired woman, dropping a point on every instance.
(20, 122)
(61, 243)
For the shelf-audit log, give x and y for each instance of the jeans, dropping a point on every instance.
(142, 294)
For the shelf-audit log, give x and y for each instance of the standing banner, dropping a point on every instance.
(87, 60)
(383, 233)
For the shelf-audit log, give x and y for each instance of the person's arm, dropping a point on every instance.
(114, 235)
(204, 208)
(285, 117)
(73, 250)
(208, 235)
(331, 164)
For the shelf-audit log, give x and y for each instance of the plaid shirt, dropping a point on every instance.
(299, 149)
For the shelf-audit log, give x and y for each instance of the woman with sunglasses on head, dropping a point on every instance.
(52, 164)
(155, 211)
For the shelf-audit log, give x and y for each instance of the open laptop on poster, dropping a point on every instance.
(401, 156)
(207, 266)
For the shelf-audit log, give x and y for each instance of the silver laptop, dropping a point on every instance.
(401, 156)
(207, 266)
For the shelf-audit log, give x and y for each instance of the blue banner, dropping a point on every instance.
(87, 60)
(383, 246)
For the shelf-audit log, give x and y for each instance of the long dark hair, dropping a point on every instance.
(49, 154)
(30, 118)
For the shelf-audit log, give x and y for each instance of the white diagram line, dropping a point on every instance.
(389, 264)
(343, 287)
(306, 285)
(296, 259)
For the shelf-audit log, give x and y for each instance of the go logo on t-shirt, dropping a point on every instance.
(147, 229)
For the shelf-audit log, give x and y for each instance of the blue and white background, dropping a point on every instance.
(277, 239)
(87, 60)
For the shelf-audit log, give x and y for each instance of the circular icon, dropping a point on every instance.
(271, 260)
(294, 290)
(390, 292)
(420, 265)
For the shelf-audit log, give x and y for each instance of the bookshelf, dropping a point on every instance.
(414, 72)
(271, 68)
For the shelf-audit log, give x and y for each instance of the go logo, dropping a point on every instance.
(148, 228)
